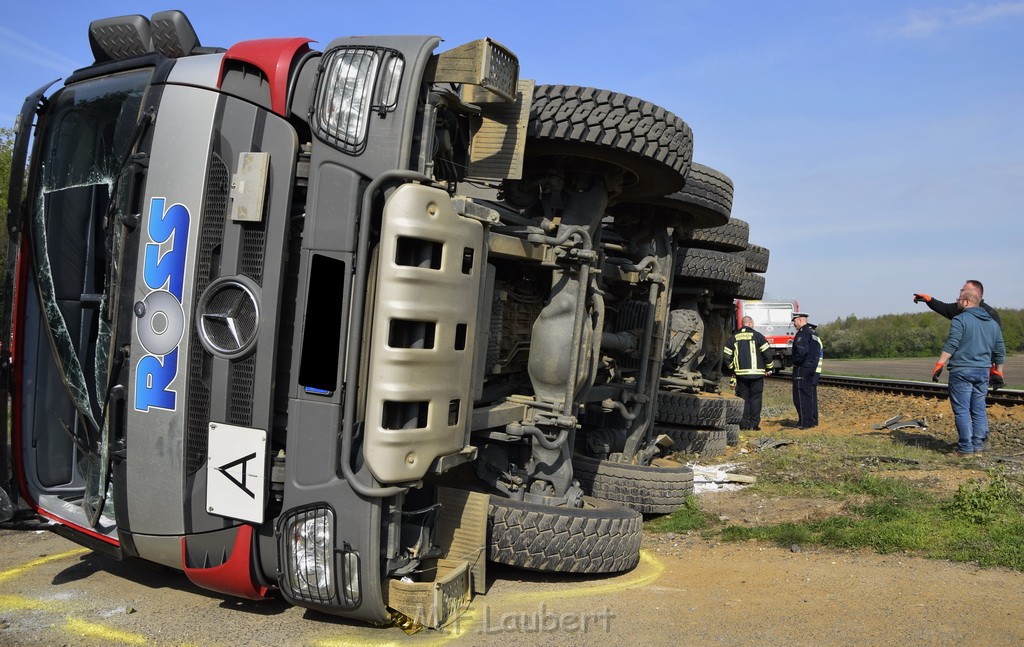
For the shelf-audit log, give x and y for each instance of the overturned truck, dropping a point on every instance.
(343, 324)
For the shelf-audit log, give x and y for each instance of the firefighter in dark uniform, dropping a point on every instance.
(748, 355)
(807, 361)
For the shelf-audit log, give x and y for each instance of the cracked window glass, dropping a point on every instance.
(87, 135)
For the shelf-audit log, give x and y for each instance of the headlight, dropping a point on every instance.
(312, 571)
(352, 83)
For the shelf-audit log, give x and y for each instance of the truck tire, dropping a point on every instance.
(733, 409)
(648, 489)
(708, 265)
(688, 440)
(705, 201)
(707, 190)
(652, 144)
(733, 236)
(601, 537)
(691, 409)
(752, 287)
(732, 435)
(755, 258)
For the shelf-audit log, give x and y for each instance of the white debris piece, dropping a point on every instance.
(714, 478)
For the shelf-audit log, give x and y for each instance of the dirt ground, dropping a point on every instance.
(686, 589)
(918, 368)
(843, 412)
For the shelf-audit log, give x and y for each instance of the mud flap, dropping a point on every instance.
(448, 584)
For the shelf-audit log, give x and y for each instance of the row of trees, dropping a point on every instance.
(6, 154)
(906, 335)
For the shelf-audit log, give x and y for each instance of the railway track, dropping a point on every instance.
(1006, 397)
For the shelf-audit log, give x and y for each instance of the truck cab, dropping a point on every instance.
(774, 320)
(337, 323)
(215, 244)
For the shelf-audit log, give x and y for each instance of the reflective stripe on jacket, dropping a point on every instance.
(748, 353)
(821, 354)
(808, 352)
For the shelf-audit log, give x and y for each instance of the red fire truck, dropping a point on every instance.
(773, 319)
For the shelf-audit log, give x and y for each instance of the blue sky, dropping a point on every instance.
(877, 148)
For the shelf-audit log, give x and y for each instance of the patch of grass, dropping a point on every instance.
(689, 517)
(885, 528)
(884, 508)
(983, 522)
(983, 503)
(831, 466)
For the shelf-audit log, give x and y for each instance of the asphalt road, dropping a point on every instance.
(685, 590)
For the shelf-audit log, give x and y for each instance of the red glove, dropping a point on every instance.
(918, 298)
(995, 379)
(937, 371)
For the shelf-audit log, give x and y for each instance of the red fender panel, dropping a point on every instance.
(233, 577)
(274, 57)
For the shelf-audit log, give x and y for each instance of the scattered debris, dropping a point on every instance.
(125, 610)
(875, 460)
(739, 478)
(893, 420)
(717, 478)
(762, 444)
(897, 422)
(1007, 459)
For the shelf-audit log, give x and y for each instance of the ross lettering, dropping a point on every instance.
(153, 382)
(166, 269)
(161, 320)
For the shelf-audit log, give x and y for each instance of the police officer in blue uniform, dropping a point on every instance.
(748, 355)
(807, 361)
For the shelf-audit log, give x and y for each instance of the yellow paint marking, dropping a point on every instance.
(71, 625)
(462, 626)
(81, 627)
(21, 603)
(647, 571)
(349, 642)
(18, 570)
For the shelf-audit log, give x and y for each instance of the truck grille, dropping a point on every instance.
(243, 382)
(242, 372)
(253, 243)
(215, 206)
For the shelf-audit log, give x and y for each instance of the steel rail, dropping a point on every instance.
(1005, 397)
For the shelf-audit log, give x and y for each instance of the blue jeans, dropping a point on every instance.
(967, 389)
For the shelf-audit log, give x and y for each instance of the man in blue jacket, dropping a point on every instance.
(973, 347)
(807, 359)
(950, 310)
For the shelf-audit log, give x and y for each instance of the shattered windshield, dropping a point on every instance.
(86, 136)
